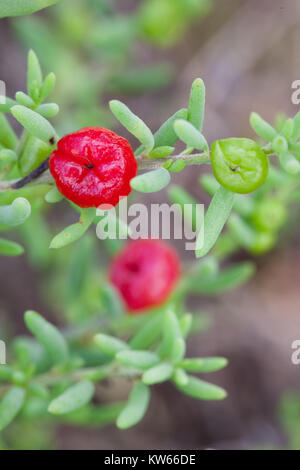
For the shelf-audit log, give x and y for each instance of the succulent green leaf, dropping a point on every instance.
(112, 300)
(226, 280)
(8, 137)
(35, 124)
(190, 135)
(296, 129)
(38, 390)
(68, 235)
(197, 104)
(186, 323)
(178, 350)
(177, 166)
(109, 344)
(202, 390)
(288, 129)
(10, 405)
(34, 72)
(7, 160)
(53, 196)
(48, 110)
(33, 153)
(75, 231)
(147, 334)
(209, 184)
(180, 377)
(158, 374)
(30, 351)
(7, 105)
(136, 406)
(152, 181)
(161, 152)
(16, 213)
(9, 248)
(165, 135)
(95, 416)
(23, 7)
(133, 124)
(6, 373)
(208, 268)
(203, 365)
(215, 219)
(24, 99)
(280, 144)
(49, 336)
(47, 86)
(243, 204)
(289, 163)
(73, 398)
(262, 127)
(171, 334)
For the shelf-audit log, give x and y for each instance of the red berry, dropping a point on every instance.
(93, 166)
(145, 273)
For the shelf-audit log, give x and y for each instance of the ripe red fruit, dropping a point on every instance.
(145, 273)
(93, 166)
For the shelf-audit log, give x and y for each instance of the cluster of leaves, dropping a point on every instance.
(18, 157)
(57, 372)
(50, 374)
(105, 62)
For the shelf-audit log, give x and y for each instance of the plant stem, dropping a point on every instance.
(33, 175)
(193, 159)
(43, 179)
(109, 371)
(40, 176)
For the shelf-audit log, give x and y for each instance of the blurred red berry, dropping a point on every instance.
(145, 273)
(93, 166)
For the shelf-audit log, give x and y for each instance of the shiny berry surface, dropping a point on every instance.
(93, 166)
(145, 272)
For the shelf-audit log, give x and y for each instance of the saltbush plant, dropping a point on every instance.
(55, 372)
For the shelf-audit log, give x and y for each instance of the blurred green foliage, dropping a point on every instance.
(93, 50)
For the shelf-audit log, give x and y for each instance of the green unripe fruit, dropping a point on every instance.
(239, 164)
(264, 242)
(270, 215)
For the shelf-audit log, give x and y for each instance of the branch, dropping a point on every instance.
(189, 159)
(40, 176)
